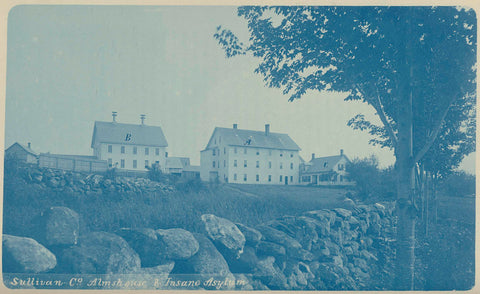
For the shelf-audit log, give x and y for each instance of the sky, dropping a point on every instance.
(69, 66)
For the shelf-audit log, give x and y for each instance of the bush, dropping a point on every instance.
(372, 183)
(155, 173)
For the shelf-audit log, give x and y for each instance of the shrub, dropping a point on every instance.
(372, 183)
(155, 173)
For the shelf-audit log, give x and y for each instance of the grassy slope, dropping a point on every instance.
(251, 205)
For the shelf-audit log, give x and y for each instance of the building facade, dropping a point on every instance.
(22, 153)
(326, 171)
(129, 146)
(250, 157)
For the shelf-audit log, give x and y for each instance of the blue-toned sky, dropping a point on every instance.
(68, 66)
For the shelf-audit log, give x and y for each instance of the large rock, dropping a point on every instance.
(252, 236)
(279, 237)
(246, 263)
(225, 234)
(269, 274)
(25, 255)
(270, 249)
(156, 247)
(207, 262)
(59, 226)
(177, 244)
(99, 253)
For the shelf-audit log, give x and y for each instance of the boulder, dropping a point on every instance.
(99, 253)
(25, 255)
(246, 263)
(270, 275)
(279, 237)
(207, 262)
(270, 249)
(300, 254)
(225, 234)
(59, 226)
(177, 244)
(252, 236)
(156, 247)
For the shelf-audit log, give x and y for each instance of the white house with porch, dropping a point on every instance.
(329, 171)
(233, 155)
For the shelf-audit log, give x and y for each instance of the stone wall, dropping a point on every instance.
(335, 249)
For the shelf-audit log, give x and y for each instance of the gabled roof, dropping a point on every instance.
(324, 164)
(28, 150)
(237, 137)
(116, 133)
(177, 162)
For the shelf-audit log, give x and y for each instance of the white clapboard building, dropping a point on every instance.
(129, 146)
(328, 171)
(240, 156)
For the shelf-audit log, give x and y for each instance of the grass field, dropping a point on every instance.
(247, 204)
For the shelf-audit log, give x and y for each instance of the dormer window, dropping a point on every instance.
(325, 164)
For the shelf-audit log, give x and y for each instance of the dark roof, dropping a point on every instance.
(28, 150)
(177, 162)
(237, 137)
(113, 132)
(323, 164)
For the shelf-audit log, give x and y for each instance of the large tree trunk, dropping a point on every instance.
(405, 168)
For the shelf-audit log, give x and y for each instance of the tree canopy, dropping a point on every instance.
(376, 54)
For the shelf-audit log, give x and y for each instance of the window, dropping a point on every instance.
(258, 164)
(134, 149)
(291, 165)
(258, 153)
(235, 150)
(224, 150)
(122, 149)
(234, 177)
(245, 177)
(122, 163)
(244, 163)
(341, 178)
(244, 150)
(281, 165)
(291, 155)
(269, 164)
(157, 151)
(291, 179)
(134, 163)
(257, 178)
(269, 178)
(340, 167)
(213, 152)
(166, 154)
(109, 148)
(235, 163)
(213, 163)
(325, 164)
(147, 151)
(146, 163)
(270, 152)
(281, 179)
(110, 162)
(281, 154)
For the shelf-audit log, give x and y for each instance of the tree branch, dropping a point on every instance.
(381, 113)
(433, 135)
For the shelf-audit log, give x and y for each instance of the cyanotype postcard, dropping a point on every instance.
(244, 148)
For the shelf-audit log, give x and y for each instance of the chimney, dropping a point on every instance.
(142, 118)
(235, 126)
(313, 156)
(341, 151)
(29, 145)
(267, 129)
(114, 115)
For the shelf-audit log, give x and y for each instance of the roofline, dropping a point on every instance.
(288, 149)
(24, 148)
(106, 142)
